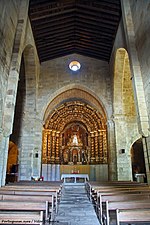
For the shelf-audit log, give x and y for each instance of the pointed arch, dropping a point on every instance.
(74, 92)
(126, 128)
(123, 97)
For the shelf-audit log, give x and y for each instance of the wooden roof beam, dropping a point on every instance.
(86, 51)
(49, 8)
(106, 10)
(51, 15)
(63, 41)
(94, 50)
(56, 48)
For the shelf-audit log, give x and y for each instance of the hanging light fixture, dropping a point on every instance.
(74, 65)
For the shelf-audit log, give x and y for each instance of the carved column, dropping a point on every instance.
(61, 148)
(96, 147)
(101, 146)
(70, 156)
(49, 145)
(44, 147)
(57, 159)
(92, 160)
(53, 146)
(104, 147)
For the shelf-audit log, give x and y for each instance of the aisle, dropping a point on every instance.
(75, 208)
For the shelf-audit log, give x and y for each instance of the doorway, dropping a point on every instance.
(138, 162)
(12, 163)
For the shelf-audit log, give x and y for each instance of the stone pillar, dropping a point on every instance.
(112, 157)
(37, 161)
(92, 159)
(4, 143)
(146, 147)
(124, 170)
(1, 153)
(57, 159)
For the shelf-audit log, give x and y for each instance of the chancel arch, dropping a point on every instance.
(75, 136)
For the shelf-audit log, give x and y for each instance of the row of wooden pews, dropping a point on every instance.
(29, 202)
(120, 202)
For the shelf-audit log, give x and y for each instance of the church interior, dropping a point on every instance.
(74, 89)
(75, 112)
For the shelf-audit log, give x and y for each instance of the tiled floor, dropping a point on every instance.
(75, 208)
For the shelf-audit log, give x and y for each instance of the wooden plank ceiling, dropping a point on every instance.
(86, 27)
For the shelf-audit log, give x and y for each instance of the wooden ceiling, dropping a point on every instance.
(86, 27)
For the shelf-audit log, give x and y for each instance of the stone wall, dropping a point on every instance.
(141, 9)
(18, 42)
(126, 129)
(141, 20)
(135, 45)
(8, 24)
(55, 75)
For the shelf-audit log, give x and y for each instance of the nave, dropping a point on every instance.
(93, 203)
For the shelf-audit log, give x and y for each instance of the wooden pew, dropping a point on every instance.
(40, 188)
(134, 205)
(102, 199)
(36, 183)
(33, 191)
(12, 217)
(30, 194)
(112, 189)
(132, 216)
(49, 200)
(24, 207)
(111, 186)
(118, 183)
(95, 192)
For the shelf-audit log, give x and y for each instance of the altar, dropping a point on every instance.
(74, 179)
(53, 172)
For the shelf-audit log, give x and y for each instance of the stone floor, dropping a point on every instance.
(75, 208)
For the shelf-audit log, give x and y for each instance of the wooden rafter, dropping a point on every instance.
(86, 27)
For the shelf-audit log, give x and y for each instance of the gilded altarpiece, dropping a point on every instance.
(75, 134)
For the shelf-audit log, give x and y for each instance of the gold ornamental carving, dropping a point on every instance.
(90, 142)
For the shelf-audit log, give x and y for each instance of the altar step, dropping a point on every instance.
(75, 208)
